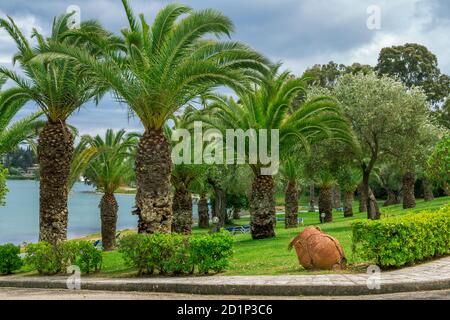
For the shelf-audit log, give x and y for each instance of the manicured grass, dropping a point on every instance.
(270, 256)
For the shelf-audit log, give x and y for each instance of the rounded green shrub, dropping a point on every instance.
(10, 260)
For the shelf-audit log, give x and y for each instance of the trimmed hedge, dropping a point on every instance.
(398, 241)
(177, 254)
(9, 258)
(53, 259)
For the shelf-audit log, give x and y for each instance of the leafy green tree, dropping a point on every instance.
(415, 137)
(377, 109)
(415, 65)
(268, 107)
(161, 68)
(327, 75)
(59, 89)
(438, 165)
(110, 168)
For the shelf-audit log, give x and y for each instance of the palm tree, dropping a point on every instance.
(108, 170)
(291, 171)
(160, 69)
(59, 89)
(268, 107)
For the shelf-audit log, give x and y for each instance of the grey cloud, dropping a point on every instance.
(299, 32)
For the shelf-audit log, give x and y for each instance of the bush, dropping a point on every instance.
(175, 253)
(211, 252)
(88, 258)
(403, 240)
(136, 251)
(9, 258)
(52, 259)
(169, 253)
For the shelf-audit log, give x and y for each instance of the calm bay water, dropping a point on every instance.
(19, 218)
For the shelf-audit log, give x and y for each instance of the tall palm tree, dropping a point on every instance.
(59, 89)
(268, 107)
(108, 170)
(291, 170)
(160, 69)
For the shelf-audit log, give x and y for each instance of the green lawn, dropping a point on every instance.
(270, 256)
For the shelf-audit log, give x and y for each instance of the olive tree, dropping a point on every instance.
(378, 109)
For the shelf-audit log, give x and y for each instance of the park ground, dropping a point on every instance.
(271, 256)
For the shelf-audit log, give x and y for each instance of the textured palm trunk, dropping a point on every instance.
(108, 216)
(326, 203)
(236, 213)
(262, 207)
(55, 151)
(362, 198)
(291, 205)
(409, 200)
(312, 198)
(427, 190)
(348, 204)
(203, 216)
(336, 197)
(153, 171)
(182, 211)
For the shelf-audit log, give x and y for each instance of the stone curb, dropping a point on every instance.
(147, 285)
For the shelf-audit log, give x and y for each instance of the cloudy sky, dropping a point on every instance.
(298, 32)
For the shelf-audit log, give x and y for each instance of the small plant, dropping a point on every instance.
(88, 258)
(9, 258)
(211, 252)
(170, 253)
(136, 251)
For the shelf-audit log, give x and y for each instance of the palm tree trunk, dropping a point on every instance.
(291, 205)
(153, 171)
(362, 198)
(336, 197)
(427, 190)
(326, 203)
(312, 198)
(348, 205)
(182, 211)
(409, 200)
(262, 207)
(55, 151)
(203, 216)
(108, 215)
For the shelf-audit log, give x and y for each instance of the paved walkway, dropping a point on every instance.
(433, 275)
(59, 294)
